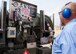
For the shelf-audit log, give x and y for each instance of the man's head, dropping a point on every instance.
(71, 6)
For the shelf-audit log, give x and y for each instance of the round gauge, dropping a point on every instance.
(15, 4)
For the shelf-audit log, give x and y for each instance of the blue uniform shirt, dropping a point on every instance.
(65, 43)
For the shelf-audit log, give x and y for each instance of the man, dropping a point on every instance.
(65, 43)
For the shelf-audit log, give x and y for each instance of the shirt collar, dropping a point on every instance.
(73, 20)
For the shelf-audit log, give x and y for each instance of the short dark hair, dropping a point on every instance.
(68, 3)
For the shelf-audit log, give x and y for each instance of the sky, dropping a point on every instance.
(50, 7)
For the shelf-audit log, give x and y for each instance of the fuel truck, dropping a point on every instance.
(21, 28)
